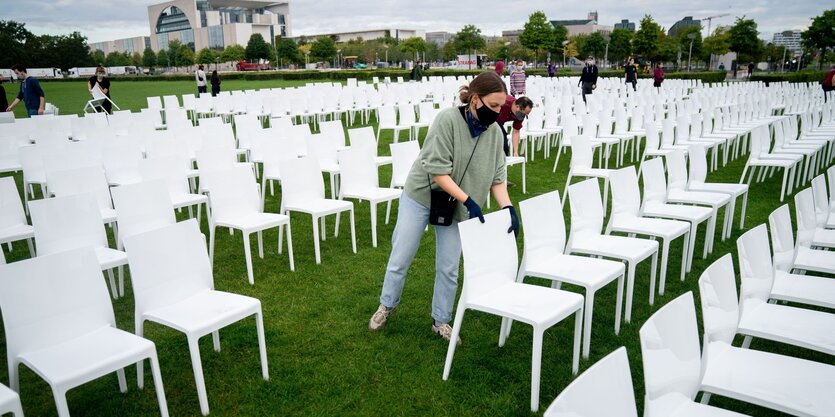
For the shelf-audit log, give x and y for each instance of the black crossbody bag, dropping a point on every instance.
(441, 204)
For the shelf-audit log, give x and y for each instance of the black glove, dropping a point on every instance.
(514, 221)
(473, 209)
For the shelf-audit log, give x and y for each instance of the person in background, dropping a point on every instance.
(200, 76)
(215, 83)
(750, 69)
(517, 80)
(827, 82)
(4, 102)
(588, 79)
(552, 69)
(657, 76)
(500, 67)
(104, 85)
(417, 72)
(462, 156)
(31, 93)
(514, 110)
(721, 66)
(631, 74)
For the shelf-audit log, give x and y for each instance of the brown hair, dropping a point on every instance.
(100, 69)
(482, 85)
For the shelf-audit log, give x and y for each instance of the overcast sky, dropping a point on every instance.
(107, 20)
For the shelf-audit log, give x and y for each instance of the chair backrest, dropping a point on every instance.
(698, 164)
(387, 115)
(363, 136)
(626, 196)
(81, 181)
(52, 299)
(653, 141)
(167, 265)
(490, 255)
(215, 159)
(121, 158)
(301, 181)
(581, 152)
(830, 175)
(234, 192)
(64, 223)
(720, 306)
(756, 269)
(544, 223)
(357, 170)
(804, 210)
(670, 350)
(677, 170)
(821, 200)
(167, 168)
(142, 207)
(782, 237)
(334, 132)
(11, 209)
(403, 156)
(605, 389)
(586, 209)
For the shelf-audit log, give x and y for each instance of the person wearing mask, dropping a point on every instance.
(514, 110)
(588, 79)
(103, 82)
(552, 69)
(31, 93)
(500, 67)
(517, 80)
(215, 83)
(461, 162)
(631, 74)
(4, 102)
(200, 77)
(828, 80)
(657, 76)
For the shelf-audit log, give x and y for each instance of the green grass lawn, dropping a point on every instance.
(324, 361)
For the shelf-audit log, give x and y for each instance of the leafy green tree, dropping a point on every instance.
(682, 37)
(449, 52)
(620, 45)
(97, 57)
(558, 37)
(116, 59)
(149, 58)
(821, 34)
(13, 36)
(411, 46)
(538, 33)
(745, 40)
(719, 43)
(647, 39)
(71, 51)
(136, 59)
(668, 48)
(163, 59)
(578, 43)
(174, 52)
(257, 48)
(233, 53)
(594, 45)
(323, 49)
(206, 56)
(469, 39)
(186, 58)
(289, 51)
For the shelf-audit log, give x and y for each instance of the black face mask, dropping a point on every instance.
(486, 116)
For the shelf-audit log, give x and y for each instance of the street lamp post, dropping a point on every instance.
(306, 59)
(387, 54)
(564, 44)
(783, 62)
(608, 40)
(692, 37)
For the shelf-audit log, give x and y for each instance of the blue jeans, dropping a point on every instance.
(412, 219)
(32, 112)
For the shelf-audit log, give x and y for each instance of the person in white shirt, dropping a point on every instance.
(200, 76)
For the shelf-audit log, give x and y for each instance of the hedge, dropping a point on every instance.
(368, 74)
(792, 77)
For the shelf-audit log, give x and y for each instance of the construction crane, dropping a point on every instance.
(710, 19)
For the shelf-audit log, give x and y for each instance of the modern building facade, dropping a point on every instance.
(790, 39)
(439, 38)
(585, 26)
(367, 35)
(129, 45)
(216, 24)
(625, 24)
(682, 24)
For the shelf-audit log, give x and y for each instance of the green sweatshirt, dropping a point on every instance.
(447, 149)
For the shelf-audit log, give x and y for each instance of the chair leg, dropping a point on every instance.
(619, 304)
(197, 367)
(578, 323)
(536, 367)
(260, 244)
(686, 256)
(373, 224)
(61, 402)
(262, 345)
(630, 287)
(742, 214)
(316, 240)
(665, 251)
(248, 255)
(121, 280)
(139, 326)
(216, 340)
(212, 245)
(587, 323)
(565, 191)
(456, 329)
(114, 291)
(353, 233)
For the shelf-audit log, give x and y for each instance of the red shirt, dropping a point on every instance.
(827, 79)
(506, 115)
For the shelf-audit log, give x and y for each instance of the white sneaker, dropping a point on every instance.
(445, 331)
(378, 320)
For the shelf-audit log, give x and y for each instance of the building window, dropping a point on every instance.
(147, 42)
(187, 38)
(128, 45)
(162, 41)
(172, 19)
(216, 37)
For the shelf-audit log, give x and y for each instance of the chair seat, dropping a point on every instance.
(578, 270)
(513, 160)
(10, 166)
(814, 260)
(784, 383)
(185, 200)
(108, 215)
(110, 258)
(802, 327)
(88, 357)
(124, 178)
(590, 172)
(532, 304)
(804, 289)
(615, 247)
(253, 222)
(772, 162)
(320, 207)
(819, 237)
(16, 232)
(382, 160)
(205, 312)
(719, 187)
(658, 152)
(373, 194)
(698, 197)
(9, 400)
(668, 229)
(676, 404)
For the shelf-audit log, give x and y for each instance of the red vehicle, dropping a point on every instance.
(247, 66)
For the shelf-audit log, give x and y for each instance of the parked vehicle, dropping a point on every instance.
(249, 66)
(45, 72)
(79, 72)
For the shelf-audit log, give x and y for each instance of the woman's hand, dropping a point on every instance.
(473, 210)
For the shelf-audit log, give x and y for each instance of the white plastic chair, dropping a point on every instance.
(13, 225)
(89, 180)
(696, 182)
(10, 402)
(809, 234)
(403, 156)
(821, 200)
(626, 218)
(490, 263)
(173, 286)
(677, 192)
(236, 204)
(759, 158)
(142, 207)
(581, 166)
(725, 315)
(787, 256)
(364, 137)
(59, 323)
(71, 222)
(761, 279)
(544, 257)
(360, 181)
(388, 121)
(303, 190)
(171, 170)
(121, 163)
(586, 238)
(673, 363)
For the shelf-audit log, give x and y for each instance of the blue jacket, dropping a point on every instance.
(31, 93)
